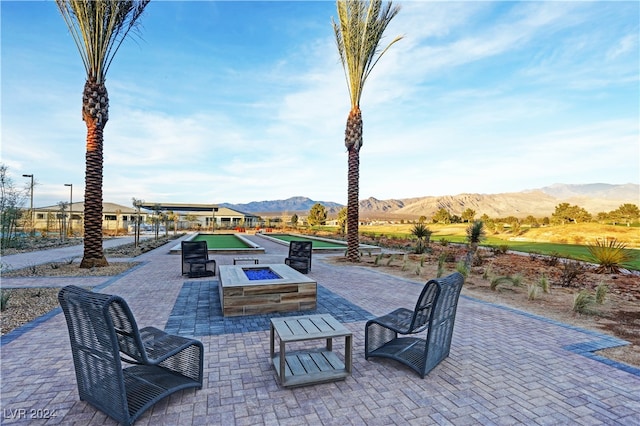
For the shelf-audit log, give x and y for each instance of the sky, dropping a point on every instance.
(241, 101)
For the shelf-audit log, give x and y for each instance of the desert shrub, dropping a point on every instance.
(499, 280)
(502, 249)
(532, 291)
(543, 282)
(444, 242)
(4, 299)
(552, 259)
(582, 301)
(486, 273)
(462, 268)
(378, 259)
(33, 269)
(418, 270)
(391, 259)
(534, 256)
(441, 261)
(610, 254)
(405, 263)
(601, 293)
(516, 280)
(571, 272)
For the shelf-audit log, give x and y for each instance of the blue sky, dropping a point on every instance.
(247, 101)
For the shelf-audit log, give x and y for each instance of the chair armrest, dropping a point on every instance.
(399, 320)
(179, 354)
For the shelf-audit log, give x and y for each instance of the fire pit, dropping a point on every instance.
(260, 289)
(259, 274)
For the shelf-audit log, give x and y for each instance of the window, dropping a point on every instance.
(40, 216)
(110, 217)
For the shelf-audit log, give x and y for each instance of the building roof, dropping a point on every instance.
(179, 207)
(79, 208)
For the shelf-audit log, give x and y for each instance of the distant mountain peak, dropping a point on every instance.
(594, 197)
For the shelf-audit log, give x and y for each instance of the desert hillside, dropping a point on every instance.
(541, 202)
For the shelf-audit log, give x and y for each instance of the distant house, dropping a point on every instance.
(122, 218)
(114, 216)
(203, 216)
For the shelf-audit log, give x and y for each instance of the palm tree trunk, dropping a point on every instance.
(353, 142)
(95, 107)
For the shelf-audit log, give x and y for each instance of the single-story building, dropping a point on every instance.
(123, 218)
(114, 216)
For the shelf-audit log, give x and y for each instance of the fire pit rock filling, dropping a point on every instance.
(256, 274)
(248, 290)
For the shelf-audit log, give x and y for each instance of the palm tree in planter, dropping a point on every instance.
(98, 29)
(475, 235)
(358, 33)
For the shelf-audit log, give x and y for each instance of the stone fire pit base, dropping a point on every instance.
(241, 296)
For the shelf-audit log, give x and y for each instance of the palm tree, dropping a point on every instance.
(98, 29)
(362, 24)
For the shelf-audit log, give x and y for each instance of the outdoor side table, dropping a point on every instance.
(307, 366)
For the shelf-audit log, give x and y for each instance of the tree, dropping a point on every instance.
(442, 216)
(342, 220)
(468, 215)
(98, 29)
(567, 213)
(294, 220)
(626, 213)
(317, 215)
(62, 218)
(11, 202)
(360, 29)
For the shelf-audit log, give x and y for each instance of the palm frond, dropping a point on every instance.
(98, 29)
(358, 34)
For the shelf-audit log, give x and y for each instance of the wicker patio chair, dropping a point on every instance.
(434, 314)
(195, 259)
(299, 257)
(103, 335)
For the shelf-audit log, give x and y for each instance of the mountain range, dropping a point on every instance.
(594, 197)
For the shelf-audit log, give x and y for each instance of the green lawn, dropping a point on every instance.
(569, 251)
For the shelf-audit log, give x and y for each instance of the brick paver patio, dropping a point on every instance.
(505, 367)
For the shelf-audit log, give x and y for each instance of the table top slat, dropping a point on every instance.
(309, 327)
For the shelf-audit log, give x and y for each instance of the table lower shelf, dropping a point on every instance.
(306, 367)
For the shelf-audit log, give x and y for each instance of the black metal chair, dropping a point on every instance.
(299, 257)
(434, 314)
(103, 335)
(195, 259)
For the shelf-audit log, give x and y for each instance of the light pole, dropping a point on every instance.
(31, 205)
(70, 185)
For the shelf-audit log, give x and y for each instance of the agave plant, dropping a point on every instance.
(423, 234)
(610, 254)
(475, 234)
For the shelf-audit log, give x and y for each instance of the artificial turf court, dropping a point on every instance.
(222, 241)
(316, 242)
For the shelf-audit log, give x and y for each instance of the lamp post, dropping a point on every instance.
(31, 205)
(70, 185)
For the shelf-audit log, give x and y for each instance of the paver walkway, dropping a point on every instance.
(505, 367)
